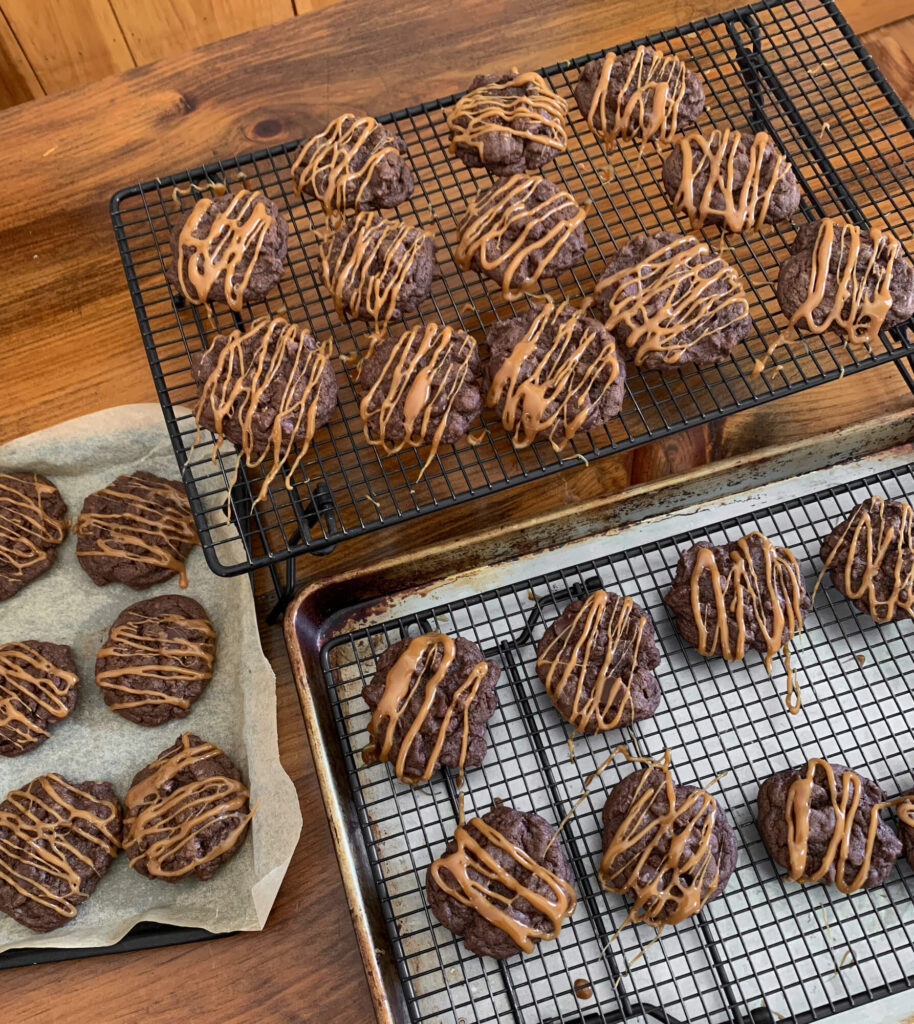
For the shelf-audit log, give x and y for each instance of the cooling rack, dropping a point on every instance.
(767, 949)
(793, 69)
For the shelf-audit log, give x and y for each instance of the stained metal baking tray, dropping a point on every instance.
(767, 949)
(790, 67)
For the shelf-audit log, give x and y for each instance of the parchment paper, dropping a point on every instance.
(237, 711)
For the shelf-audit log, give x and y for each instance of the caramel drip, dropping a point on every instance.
(674, 890)
(166, 819)
(26, 529)
(157, 522)
(652, 109)
(239, 380)
(235, 232)
(684, 291)
(472, 859)
(21, 683)
(557, 381)
(538, 116)
(868, 297)
(149, 657)
(906, 811)
(403, 682)
(333, 151)
(422, 370)
(611, 694)
(39, 842)
(374, 289)
(502, 210)
(743, 589)
(745, 206)
(881, 548)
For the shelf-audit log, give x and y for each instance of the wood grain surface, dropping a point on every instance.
(69, 344)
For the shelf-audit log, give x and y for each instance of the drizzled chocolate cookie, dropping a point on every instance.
(552, 372)
(430, 699)
(57, 839)
(518, 231)
(38, 684)
(508, 123)
(502, 884)
(670, 301)
(353, 164)
(33, 524)
(597, 662)
(157, 659)
(138, 530)
(230, 249)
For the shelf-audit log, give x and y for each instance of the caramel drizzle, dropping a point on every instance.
(652, 109)
(880, 548)
(159, 524)
(868, 297)
(402, 683)
(235, 232)
(552, 378)
(782, 586)
(236, 386)
(674, 890)
(374, 291)
(127, 641)
(418, 357)
(21, 671)
(491, 109)
(610, 693)
(480, 895)
(844, 807)
(502, 208)
(333, 151)
(167, 823)
(745, 206)
(26, 529)
(39, 842)
(676, 280)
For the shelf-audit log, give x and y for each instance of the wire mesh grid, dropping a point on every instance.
(767, 949)
(791, 68)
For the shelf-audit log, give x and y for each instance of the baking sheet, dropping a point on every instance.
(237, 711)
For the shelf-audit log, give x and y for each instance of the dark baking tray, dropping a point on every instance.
(792, 68)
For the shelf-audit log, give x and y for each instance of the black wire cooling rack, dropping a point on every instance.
(793, 69)
(767, 949)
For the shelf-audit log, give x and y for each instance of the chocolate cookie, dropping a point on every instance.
(377, 269)
(439, 692)
(670, 301)
(230, 249)
(508, 123)
(845, 279)
(502, 883)
(669, 847)
(597, 662)
(264, 389)
(870, 558)
(353, 164)
(57, 839)
(33, 523)
(138, 530)
(738, 181)
(809, 824)
(641, 95)
(906, 828)
(519, 230)
(37, 689)
(552, 372)
(421, 388)
(186, 813)
(157, 659)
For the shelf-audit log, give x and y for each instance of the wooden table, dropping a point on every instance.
(69, 344)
